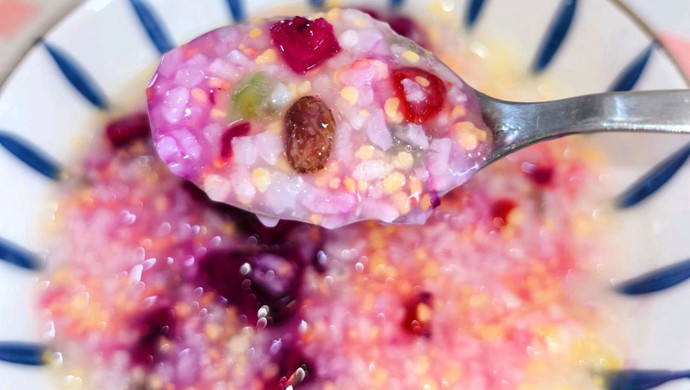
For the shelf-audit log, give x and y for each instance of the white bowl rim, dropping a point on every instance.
(625, 11)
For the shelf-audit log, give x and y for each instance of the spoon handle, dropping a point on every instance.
(517, 125)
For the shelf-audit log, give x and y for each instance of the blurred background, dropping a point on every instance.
(22, 21)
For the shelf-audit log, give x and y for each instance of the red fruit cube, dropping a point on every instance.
(421, 93)
(304, 44)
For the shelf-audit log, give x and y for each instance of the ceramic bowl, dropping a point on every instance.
(95, 63)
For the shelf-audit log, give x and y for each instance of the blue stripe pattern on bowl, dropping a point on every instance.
(76, 75)
(474, 9)
(629, 77)
(657, 280)
(555, 34)
(30, 155)
(654, 180)
(641, 379)
(149, 21)
(236, 10)
(20, 257)
(28, 354)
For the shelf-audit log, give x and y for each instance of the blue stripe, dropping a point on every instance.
(153, 28)
(641, 379)
(236, 9)
(77, 76)
(555, 36)
(396, 3)
(474, 8)
(657, 280)
(30, 155)
(631, 74)
(18, 256)
(653, 180)
(23, 353)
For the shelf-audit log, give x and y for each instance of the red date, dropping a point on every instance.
(310, 129)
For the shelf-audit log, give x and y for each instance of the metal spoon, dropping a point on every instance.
(518, 125)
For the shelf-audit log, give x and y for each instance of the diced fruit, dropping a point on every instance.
(418, 315)
(304, 44)
(310, 128)
(252, 98)
(156, 326)
(275, 280)
(219, 272)
(434, 200)
(421, 93)
(540, 174)
(293, 369)
(500, 211)
(407, 28)
(250, 279)
(237, 130)
(122, 131)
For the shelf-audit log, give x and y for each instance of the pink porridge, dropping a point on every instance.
(331, 120)
(152, 285)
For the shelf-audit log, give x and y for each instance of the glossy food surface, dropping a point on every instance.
(346, 120)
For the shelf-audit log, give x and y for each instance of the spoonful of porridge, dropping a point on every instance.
(337, 119)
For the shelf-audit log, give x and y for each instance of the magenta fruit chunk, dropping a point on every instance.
(237, 130)
(434, 91)
(252, 278)
(293, 369)
(304, 44)
(418, 315)
(156, 326)
(121, 132)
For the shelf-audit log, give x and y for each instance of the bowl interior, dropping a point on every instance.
(108, 43)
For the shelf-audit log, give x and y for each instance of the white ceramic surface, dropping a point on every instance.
(107, 40)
